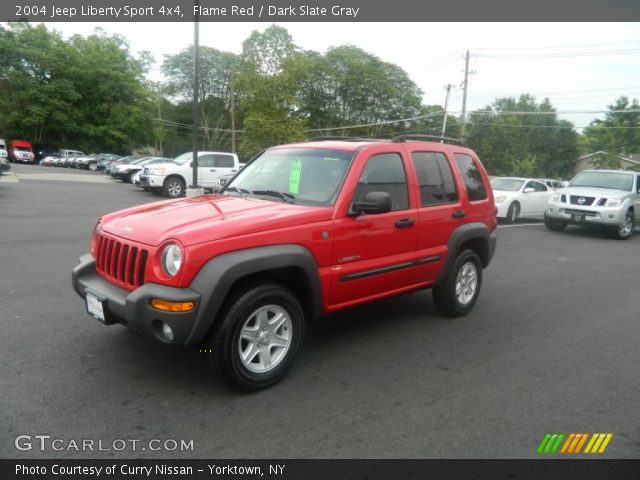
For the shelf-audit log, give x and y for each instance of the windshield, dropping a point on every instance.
(507, 184)
(310, 176)
(184, 158)
(613, 180)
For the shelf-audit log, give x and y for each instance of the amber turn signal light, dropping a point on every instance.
(167, 306)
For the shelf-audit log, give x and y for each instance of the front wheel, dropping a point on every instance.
(553, 224)
(461, 288)
(625, 230)
(258, 336)
(173, 187)
(513, 213)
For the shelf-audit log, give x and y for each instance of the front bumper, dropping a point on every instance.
(152, 181)
(502, 209)
(133, 309)
(593, 215)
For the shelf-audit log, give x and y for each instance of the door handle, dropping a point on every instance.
(405, 222)
(458, 214)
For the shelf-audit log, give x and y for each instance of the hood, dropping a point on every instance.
(167, 165)
(593, 192)
(207, 218)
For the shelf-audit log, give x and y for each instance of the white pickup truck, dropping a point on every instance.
(172, 178)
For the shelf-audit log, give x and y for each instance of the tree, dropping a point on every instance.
(523, 137)
(89, 93)
(217, 71)
(268, 83)
(618, 133)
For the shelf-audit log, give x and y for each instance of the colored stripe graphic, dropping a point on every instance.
(573, 443)
(598, 443)
(550, 442)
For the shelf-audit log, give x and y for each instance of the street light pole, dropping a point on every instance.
(194, 189)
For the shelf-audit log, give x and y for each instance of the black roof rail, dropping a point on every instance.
(348, 139)
(419, 136)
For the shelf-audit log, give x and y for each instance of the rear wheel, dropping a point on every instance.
(461, 288)
(258, 336)
(173, 187)
(625, 230)
(553, 224)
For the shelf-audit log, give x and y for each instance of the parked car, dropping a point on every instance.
(118, 161)
(21, 151)
(105, 159)
(172, 178)
(3, 149)
(126, 171)
(520, 197)
(305, 229)
(49, 160)
(552, 183)
(605, 198)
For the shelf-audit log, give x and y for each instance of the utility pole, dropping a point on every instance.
(160, 131)
(464, 94)
(194, 189)
(446, 104)
(233, 115)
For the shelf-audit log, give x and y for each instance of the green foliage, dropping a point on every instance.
(86, 93)
(533, 143)
(619, 132)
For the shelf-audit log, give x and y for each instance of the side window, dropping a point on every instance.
(224, 161)
(471, 176)
(435, 177)
(537, 186)
(206, 161)
(385, 173)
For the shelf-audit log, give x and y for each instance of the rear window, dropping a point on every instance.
(471, 176)
(435, 177)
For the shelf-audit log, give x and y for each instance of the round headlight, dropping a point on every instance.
(171, 259)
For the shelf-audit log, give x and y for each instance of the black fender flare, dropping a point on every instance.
(461, 235)
(216, 278)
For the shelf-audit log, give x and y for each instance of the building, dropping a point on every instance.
(627, 162)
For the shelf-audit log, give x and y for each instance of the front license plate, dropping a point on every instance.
(95, 306)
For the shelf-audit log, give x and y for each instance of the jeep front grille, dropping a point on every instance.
(121, 263)
(580, 200)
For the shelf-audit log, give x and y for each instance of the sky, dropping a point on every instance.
(580, 67)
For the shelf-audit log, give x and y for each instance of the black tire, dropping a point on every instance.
(553, 224)
(513, 213)
(625, 231)
(445, 296)
(173, 187)
(226, 342)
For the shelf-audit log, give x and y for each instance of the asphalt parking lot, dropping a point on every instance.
(551, 346)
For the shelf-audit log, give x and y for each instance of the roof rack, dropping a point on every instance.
(347, 139)
(419, 136)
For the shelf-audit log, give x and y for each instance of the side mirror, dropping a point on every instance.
(372, 203)
(529, 190)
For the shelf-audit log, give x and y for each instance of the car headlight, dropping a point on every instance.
(500, 198)
(171, 259)
(614, 202)
(555, 197)
(156, 171)
(94, 238)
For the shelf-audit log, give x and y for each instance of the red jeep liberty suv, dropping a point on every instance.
(304, 229)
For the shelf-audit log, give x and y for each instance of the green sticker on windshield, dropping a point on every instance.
(294, 176)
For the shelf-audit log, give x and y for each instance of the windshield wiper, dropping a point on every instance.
(236, 189)
(285, 197)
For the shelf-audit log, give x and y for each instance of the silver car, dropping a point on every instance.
(607, 198)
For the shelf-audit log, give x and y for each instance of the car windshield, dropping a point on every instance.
(507, 184)
(184, 158)
(613, 180)
(23, 149)
(310, 176)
